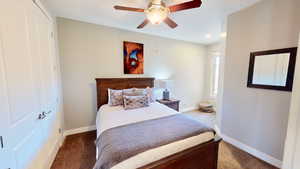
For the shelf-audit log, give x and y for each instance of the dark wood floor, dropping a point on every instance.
(79, 152)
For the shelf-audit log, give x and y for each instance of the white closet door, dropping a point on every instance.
(5, 154)
(23, 136)
(47, 76)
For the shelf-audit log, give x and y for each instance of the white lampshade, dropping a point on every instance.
(163, 83)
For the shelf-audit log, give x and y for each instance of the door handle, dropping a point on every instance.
(1, 142)
(41, 116)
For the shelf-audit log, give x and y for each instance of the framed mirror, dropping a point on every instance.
(273, 69)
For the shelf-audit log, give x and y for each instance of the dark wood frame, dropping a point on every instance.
(103, 84)
(202, 156)
(291, 69)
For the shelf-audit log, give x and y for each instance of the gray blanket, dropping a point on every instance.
(120, 143)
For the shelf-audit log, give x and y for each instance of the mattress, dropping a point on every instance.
(110, 117)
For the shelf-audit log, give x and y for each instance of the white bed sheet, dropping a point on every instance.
(110, 117)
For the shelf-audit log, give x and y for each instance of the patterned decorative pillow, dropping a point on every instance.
(133, 102)
(115, 97)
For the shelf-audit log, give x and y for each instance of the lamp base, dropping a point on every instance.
(166, 95)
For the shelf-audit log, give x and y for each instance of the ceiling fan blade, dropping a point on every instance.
(170, 22)
(185, 6)
(124, 8)
(146, 21)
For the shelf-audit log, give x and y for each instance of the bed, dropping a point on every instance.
(197, 152)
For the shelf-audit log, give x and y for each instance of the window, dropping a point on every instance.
(215, 76)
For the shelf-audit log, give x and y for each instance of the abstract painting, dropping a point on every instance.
(133, 58)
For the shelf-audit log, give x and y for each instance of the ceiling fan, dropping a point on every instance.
(158, 12)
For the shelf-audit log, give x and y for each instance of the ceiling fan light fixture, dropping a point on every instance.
(157, 13)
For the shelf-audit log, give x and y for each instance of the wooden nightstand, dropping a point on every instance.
(172, 103)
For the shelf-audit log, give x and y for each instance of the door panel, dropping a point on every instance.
(18, 62)
(25, 152)
(5, 154)
(6, 160)
(24, 136)
(4, 108)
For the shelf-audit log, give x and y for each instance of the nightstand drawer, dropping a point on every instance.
(173, 104)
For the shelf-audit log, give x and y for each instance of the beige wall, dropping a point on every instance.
(257, 117)
(90, 51)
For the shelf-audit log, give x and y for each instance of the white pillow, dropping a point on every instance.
(151, 94)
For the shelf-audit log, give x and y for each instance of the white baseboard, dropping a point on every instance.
(263, 156)
(218, 130)
(188, 109)
(79, 130)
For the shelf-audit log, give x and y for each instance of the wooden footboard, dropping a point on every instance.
(203, 156)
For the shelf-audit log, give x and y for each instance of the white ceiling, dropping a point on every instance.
(194, 24)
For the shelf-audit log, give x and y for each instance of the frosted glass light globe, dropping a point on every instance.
(157, 13)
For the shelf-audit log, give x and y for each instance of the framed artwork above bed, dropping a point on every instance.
(133, 58)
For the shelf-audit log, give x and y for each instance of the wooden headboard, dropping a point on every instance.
(119, 83)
